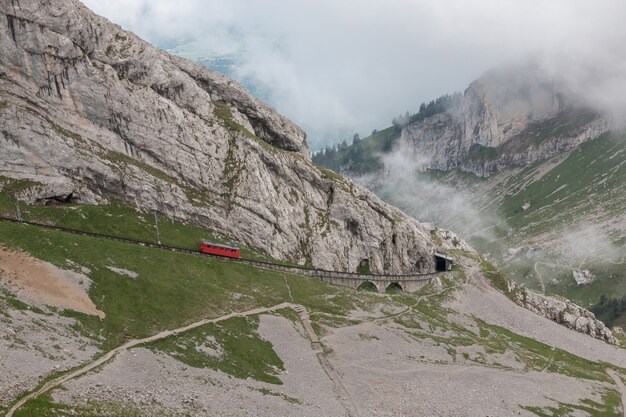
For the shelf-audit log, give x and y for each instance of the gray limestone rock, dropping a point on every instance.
(562, 311)
(94, 113)
(510, 116)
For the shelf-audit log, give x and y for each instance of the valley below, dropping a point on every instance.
(556, 225)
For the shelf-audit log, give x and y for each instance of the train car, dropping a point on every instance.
(219, 249)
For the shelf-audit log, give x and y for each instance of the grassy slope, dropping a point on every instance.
(587, 187)
(173, 290)
(244, 354)
(592, 177)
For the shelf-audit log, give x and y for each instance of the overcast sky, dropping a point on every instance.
(337, 67)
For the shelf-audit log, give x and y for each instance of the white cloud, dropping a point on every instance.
(351, 65)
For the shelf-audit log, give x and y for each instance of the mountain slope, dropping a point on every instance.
(91, 114)
(372, 348)
(95, 113)
(559, 226)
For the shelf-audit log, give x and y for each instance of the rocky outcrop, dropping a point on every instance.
(94, 113)
(562, 311)
(510, 116)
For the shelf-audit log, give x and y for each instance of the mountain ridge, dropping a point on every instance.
(510, 116)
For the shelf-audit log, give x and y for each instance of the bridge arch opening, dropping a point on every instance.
(367, 286)
(394, 288)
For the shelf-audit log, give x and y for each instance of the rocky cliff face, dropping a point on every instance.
(95, 113)
(563, 312)
(512, 116)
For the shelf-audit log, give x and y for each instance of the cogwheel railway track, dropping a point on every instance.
(297, 270)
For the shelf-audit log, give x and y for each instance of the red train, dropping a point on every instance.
(219, 249)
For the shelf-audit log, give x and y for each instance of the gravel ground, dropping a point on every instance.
(388, 376)
(143, 378)
(496, 308)
(33, 346)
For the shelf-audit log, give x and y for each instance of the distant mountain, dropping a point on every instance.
(511, 116)
(556, 225)
(523, 171)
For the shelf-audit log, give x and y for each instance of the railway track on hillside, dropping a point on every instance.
(297, 270)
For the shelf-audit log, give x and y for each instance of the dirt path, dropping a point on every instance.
(620, 385)
(550, 362)
(303, 314)
(288, 288)
(412, 306)
(130, 344)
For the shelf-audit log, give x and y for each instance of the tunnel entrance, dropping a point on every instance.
(58, 199)
(442, 262)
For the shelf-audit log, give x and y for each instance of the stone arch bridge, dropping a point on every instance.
(408, 283)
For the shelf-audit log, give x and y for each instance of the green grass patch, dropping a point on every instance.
(329, 175)
(610, 406)
(66, 133)
(393, 288)
(495, 276)
(609, 310)
(430, 320)
(364, 267)
(16, 303)
(223, 112)
(593, 169)
(12, 186)
(237, 349)
(115, 219)
(171, 289)
(45, 406)
(537, 355)
(267, 391)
